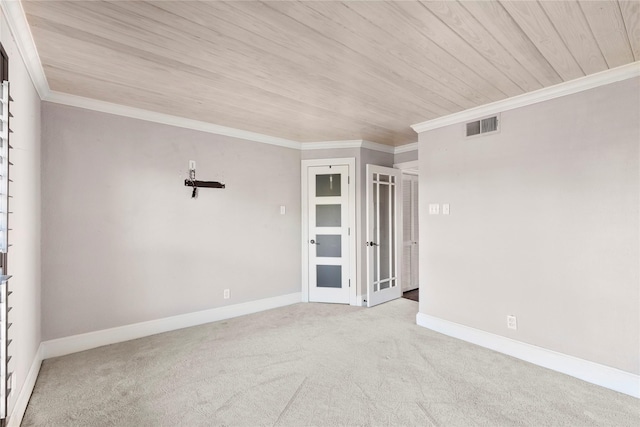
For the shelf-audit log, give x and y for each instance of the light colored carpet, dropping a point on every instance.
(313, 364)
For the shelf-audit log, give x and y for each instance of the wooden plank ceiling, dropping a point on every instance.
(325, 70)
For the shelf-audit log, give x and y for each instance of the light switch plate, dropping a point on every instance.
(283, 209)
(434, 209)
(445, 209)
(512, 322)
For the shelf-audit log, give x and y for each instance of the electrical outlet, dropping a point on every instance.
(445, 209)
(226, 294)
(512, 322)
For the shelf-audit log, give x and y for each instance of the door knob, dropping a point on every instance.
(313, 242)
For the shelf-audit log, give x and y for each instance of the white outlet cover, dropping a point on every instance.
(226, 294)
(283, 209)
(445, 209)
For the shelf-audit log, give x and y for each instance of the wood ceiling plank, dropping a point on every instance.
(311, 71)
(534, 22)
(357, 110)
(297, 68)
(228, 115)
(502, 27)
(605, 20)
(441, 34)
(335, 22)
(356, 32)
(631, 14)
(350, 80)
(165, 84)
(570, 23)
(471, 30)
(412, 47)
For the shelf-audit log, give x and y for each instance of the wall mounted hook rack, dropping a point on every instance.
(193, 182)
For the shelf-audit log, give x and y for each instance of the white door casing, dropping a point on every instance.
(384, 234)
(328, 235)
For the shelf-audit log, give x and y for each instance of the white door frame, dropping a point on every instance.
(410, 168)
(351, 162)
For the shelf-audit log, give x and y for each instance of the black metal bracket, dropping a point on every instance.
(203, 184)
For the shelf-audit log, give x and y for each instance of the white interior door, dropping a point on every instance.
(384, 234)
(409, 232)
(328, 195)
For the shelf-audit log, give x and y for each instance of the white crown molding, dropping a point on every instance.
(14, 14)
(357, 143)
(329, 145)
(20, 407)
(406, 148)
(151, 116)
(167, 119)
(595, 373)
(76, 343)
(378, 147)
(567, 88)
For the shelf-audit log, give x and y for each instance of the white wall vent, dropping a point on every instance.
(486, 125)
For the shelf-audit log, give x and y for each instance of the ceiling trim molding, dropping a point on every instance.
(378, 147)
(406, 148)
(602, 78)
(357, 143)
(171, 120)
(17, 21)
(330, 145)
(167, 119)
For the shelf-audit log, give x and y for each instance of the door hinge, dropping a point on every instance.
(349, 282)
(348, 180)
(349, 231)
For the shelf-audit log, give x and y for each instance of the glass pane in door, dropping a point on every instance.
(328, 215)
(329, 276)
(328, 185)
(385, 236)
(329, 245)
(374, 235)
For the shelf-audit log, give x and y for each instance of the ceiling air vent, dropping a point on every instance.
(489, 124)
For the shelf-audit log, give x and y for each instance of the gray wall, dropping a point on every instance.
(408, 156)
(543, 225)
(123, 242)
(24, 255)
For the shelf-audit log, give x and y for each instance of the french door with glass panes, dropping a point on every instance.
(328, 233)
(384, 234)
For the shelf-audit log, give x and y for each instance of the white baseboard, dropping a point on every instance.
(20, 407)
(76, 343)
(605, 376)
